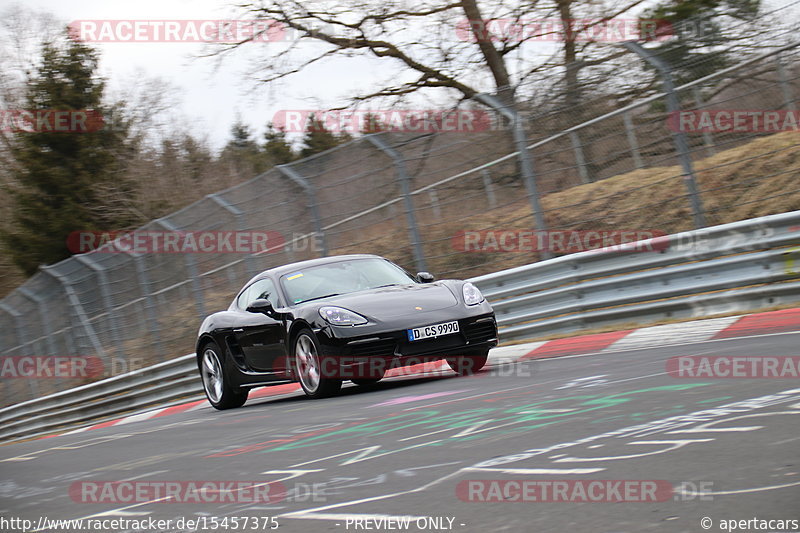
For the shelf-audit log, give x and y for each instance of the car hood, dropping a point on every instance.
(391, 302)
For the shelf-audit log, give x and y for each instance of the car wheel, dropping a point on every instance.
(307, 363)
(221, 395)
(464, 365)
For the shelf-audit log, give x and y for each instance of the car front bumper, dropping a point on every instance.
(370, 355)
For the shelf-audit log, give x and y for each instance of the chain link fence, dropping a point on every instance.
(428, 201)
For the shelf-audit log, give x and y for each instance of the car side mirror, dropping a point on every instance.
(425, 277)
(261, 305)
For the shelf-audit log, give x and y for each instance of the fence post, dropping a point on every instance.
(147, 294)
(19, 328)
(402, 177)
(311, 195)
(240, 225)
(708, 140)
(489, 187)
(786, 89)
(437, 211)
(100, 272)
(525, 158)
(47, 327)
(630, 132)
(579, 158)
(681, 145)
(75, 302)
(191, 267)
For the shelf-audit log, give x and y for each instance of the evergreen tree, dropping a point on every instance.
(244, 152)
(276, 147)
(66, 181)
(698, 40)
(318, 138)
(242, 137)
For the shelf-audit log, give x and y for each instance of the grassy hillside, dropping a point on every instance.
(759, 178)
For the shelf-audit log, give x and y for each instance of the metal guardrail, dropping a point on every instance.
(728, 268)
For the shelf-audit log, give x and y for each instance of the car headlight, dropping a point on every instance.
(339, 316)
(472, 296)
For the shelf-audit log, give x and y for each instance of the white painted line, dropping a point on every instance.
(141, 416)
(696, 331)
(538, 471)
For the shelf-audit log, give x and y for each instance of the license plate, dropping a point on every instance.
(436, 330)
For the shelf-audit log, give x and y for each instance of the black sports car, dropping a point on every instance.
(349, 317)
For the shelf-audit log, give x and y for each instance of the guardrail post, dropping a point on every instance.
(237, 213)
(402, 177)
(191, 267)
(311, 196)
(525, 159)
(786, 89)
(100, 272)
(681, 145)
(75, 302)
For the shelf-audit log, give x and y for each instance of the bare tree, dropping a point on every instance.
(460, 48)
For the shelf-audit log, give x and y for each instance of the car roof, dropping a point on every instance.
(300, 265)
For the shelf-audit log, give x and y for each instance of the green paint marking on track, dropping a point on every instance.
(489, 420)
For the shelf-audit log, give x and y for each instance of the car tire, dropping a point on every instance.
(308, 367)
(465, 365)
(221, 395)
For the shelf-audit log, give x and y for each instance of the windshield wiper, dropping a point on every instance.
(320, 297)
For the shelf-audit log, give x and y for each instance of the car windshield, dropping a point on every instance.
(342, 277)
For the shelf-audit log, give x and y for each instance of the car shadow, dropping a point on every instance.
(348, 389)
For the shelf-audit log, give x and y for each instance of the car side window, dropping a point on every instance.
(263, 288)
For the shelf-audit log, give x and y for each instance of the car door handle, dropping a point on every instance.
(238, 330)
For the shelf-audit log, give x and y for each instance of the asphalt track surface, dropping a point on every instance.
(371, 457)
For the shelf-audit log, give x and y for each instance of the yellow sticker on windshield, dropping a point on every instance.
(295, 276)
